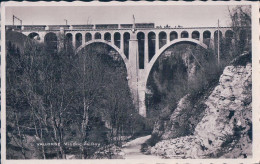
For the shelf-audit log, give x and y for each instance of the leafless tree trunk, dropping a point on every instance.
(20, 136)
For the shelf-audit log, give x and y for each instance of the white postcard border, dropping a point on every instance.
(255, 89)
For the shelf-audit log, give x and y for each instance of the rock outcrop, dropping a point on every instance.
(182, 121)
(226, 128)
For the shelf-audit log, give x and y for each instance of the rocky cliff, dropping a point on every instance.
(223, 129)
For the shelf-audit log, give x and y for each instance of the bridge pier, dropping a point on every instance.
(146, 53)
(211, 44)
(135, 80)
(141, 92)
(74, 41)
(112, 40)
(122, 42)
(133, 68)
(60, 39)
(157, 42)
(201, 37)
(83, 38)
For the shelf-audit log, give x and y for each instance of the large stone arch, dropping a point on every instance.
(156, 56)
(229, 34)
(121, 53)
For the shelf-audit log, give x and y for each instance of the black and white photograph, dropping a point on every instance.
(128, 81)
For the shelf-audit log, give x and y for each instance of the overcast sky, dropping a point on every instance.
(187, 16)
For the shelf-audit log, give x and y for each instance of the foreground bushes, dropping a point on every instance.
(60, 97)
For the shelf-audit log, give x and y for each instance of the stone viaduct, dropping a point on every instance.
(142, 42)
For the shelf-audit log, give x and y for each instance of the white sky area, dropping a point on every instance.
(173, 15)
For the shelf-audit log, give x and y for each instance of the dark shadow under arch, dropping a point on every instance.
(51, 42)
(107, 43)
(172, 65)
(126, 43)
(34, 35)
(78, 40)
(141, 44)
(164, 48)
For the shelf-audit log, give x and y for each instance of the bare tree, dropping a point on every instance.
(90, 83)
(52, 93)
(240, 17)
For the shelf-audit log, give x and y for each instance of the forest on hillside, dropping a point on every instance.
(61, 98)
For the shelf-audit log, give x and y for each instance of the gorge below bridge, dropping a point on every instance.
(142, 41)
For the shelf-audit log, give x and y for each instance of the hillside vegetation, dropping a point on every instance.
(61, 104)
(224, 131)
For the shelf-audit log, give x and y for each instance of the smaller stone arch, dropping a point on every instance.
(97, 35)
(117, 39)
(229, 34)
(126, 43)
(173, 35)
(206, 37)
(88, 37)
(69, 36)
(195, 35)
(216, 34)
(228, 37)
(217, 37)
(34, 35)
(151, 44)
(51, 42)
(206, 34)
(107, 37)
(141, 44)
(68, 40)
(162, 39)
(78, 40)
(184, 34)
